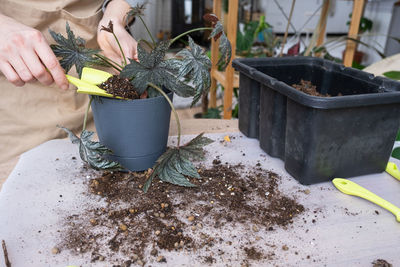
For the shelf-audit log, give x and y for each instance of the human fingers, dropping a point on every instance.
(10, 74)
(36, 67)
(50, 61)
(20, 68)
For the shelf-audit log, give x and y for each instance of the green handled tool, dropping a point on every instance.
(351, 188)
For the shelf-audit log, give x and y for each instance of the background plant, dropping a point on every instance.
(186, 75)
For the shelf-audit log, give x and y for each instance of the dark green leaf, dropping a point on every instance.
(175, 164)
(196, 65)
(245, 40)
(72, 51)
(396, 153)
(92, 152)
(224, 45)
(154, 58)
(213, 113)
(153, 69)
(398, 136)
(395, 75)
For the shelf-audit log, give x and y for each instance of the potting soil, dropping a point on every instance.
(118, 86)
(176, 218)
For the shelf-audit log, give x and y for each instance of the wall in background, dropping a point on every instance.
(379, 11)
(157, 17)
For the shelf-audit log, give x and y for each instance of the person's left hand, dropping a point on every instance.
(115, 12)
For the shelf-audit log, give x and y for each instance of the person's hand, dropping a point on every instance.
(115, 12)
(25, 55)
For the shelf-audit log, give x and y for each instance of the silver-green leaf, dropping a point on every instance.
(152, 68)
(175, 163)
(195, 65)
(72, 51)
(91, 152)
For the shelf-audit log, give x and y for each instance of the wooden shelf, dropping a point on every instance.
(221, 78)
(228, 79)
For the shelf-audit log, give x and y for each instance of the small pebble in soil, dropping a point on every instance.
(135, 257)
(191, 218)
(161, 259)
(255, 228)
(55, 250)
(123, 227)
(93, 222)
(285, 248)
(154, 252)
(157, 232)
(162, 215)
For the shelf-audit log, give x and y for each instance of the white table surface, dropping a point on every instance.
(347, 231)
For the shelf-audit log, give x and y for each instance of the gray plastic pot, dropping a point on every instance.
(135, 130)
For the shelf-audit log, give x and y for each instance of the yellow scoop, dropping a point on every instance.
(351, 188)
(87, 84)
(392, 169)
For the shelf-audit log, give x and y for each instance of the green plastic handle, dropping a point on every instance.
(392, 169)
(351, 188)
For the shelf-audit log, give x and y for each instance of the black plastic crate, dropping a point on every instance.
(319, 138)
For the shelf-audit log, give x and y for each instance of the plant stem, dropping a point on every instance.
(190, 31)
(147, 29)
(173, 109)
(120, 48)
(110, 62)
(86, 114)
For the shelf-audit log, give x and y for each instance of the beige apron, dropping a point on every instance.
(29, 114)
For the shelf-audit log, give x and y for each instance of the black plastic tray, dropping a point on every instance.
(319, 138)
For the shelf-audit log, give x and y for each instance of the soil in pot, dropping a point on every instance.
(118, 86)
(310, 89)
(133, 225)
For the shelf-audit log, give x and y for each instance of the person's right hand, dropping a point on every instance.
(25, 55)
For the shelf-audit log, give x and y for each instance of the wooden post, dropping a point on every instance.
(351, 46)
(214, 57)
(324, 16)
(232, 29)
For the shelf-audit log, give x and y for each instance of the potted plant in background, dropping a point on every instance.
(132, 109)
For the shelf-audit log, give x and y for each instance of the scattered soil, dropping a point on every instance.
(131, 225)
(118, 86)
(310, 89)
(381, 263)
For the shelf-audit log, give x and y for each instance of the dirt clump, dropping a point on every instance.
(381, 263)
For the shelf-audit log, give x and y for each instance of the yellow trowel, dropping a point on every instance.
(351, 188)
(87, 84)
